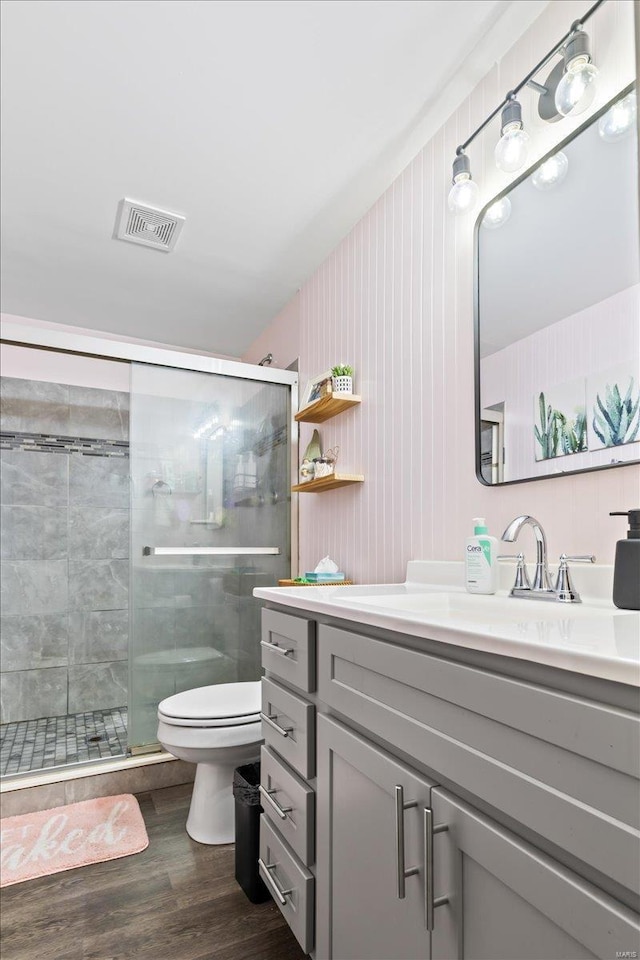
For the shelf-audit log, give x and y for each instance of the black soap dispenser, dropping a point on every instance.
(626, 572)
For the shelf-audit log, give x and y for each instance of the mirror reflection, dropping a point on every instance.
(558, 309)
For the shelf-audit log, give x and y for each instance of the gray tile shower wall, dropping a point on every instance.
(64, 503)
(34, 641)
(32, 406)
(97, 686)
(34, 586)
(98, 413)
(99, 533)
(30, 478)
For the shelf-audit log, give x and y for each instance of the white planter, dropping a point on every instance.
(342, 384)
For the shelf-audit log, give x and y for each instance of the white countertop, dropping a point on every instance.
(593, 637)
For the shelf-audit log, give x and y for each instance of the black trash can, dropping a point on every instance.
(246, 781)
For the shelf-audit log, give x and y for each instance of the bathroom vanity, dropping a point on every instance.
(450, 776)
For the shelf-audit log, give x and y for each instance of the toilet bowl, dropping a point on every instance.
(218, 728)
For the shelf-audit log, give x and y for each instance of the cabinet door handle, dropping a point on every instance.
(271, 720)
(431, 902)
(268, 796)
(283, 651)
(402, 872)
(265, 870)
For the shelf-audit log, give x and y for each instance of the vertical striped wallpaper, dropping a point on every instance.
(395, 299)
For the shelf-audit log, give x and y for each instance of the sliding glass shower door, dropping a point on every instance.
(210, 520)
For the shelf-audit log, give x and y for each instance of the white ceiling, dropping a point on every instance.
(271, 125)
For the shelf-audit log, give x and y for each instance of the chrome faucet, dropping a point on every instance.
(541, 581)
(541, 588)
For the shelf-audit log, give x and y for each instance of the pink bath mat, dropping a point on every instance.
(37, 844)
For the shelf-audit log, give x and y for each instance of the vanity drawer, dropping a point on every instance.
(288, 725)
(290, 883)
(563, 766)
(289, 648)
(289, 804)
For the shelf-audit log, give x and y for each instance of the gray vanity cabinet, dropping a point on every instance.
(461, 810)
(490, 894)
(359, 913)
(507, 899)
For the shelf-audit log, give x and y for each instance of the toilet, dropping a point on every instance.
(218, 728)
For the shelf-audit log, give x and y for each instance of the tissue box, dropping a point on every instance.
(325, 577)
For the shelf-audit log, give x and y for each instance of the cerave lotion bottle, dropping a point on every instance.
(481, 560)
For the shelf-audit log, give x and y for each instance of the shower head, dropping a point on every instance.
(266, 361)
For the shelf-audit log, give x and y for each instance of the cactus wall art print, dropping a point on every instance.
(613, 405)
(595, 413)
(560, 420)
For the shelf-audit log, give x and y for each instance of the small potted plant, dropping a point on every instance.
(342, 378)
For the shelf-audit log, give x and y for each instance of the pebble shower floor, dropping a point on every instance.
(54, 741)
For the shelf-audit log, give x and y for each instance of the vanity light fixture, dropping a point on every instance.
(497, 214)
(464, 192)
(511, 149)
(570, 88)
(619, 120)
(550, 173)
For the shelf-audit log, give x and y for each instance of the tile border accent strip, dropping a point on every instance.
(45, 443)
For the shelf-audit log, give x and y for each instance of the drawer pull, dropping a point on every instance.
(283, 651)
(268, 796)
(265, 868)
(271, 720)
(430, 902)
(403, 872)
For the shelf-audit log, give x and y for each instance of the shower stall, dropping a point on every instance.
(144, 494)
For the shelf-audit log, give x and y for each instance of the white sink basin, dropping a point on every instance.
(592, 637)
(478, 609)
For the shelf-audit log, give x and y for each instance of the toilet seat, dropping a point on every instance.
(219, 705)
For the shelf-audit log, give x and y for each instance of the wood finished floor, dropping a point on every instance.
(178, 900)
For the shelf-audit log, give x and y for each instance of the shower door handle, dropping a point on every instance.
(210, 551)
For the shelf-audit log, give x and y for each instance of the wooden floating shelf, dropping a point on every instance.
(328, 483)
(327, 407)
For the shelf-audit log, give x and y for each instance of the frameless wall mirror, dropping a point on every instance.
(557, 309)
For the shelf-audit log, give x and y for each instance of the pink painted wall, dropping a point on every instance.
(395, 299)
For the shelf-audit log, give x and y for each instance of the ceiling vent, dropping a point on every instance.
(138, 223)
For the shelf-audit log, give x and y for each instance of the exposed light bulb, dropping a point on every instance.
(618, 121)
(551, 172)
(511, 149)
(497, 214)
(463, 195)
(577, 88)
